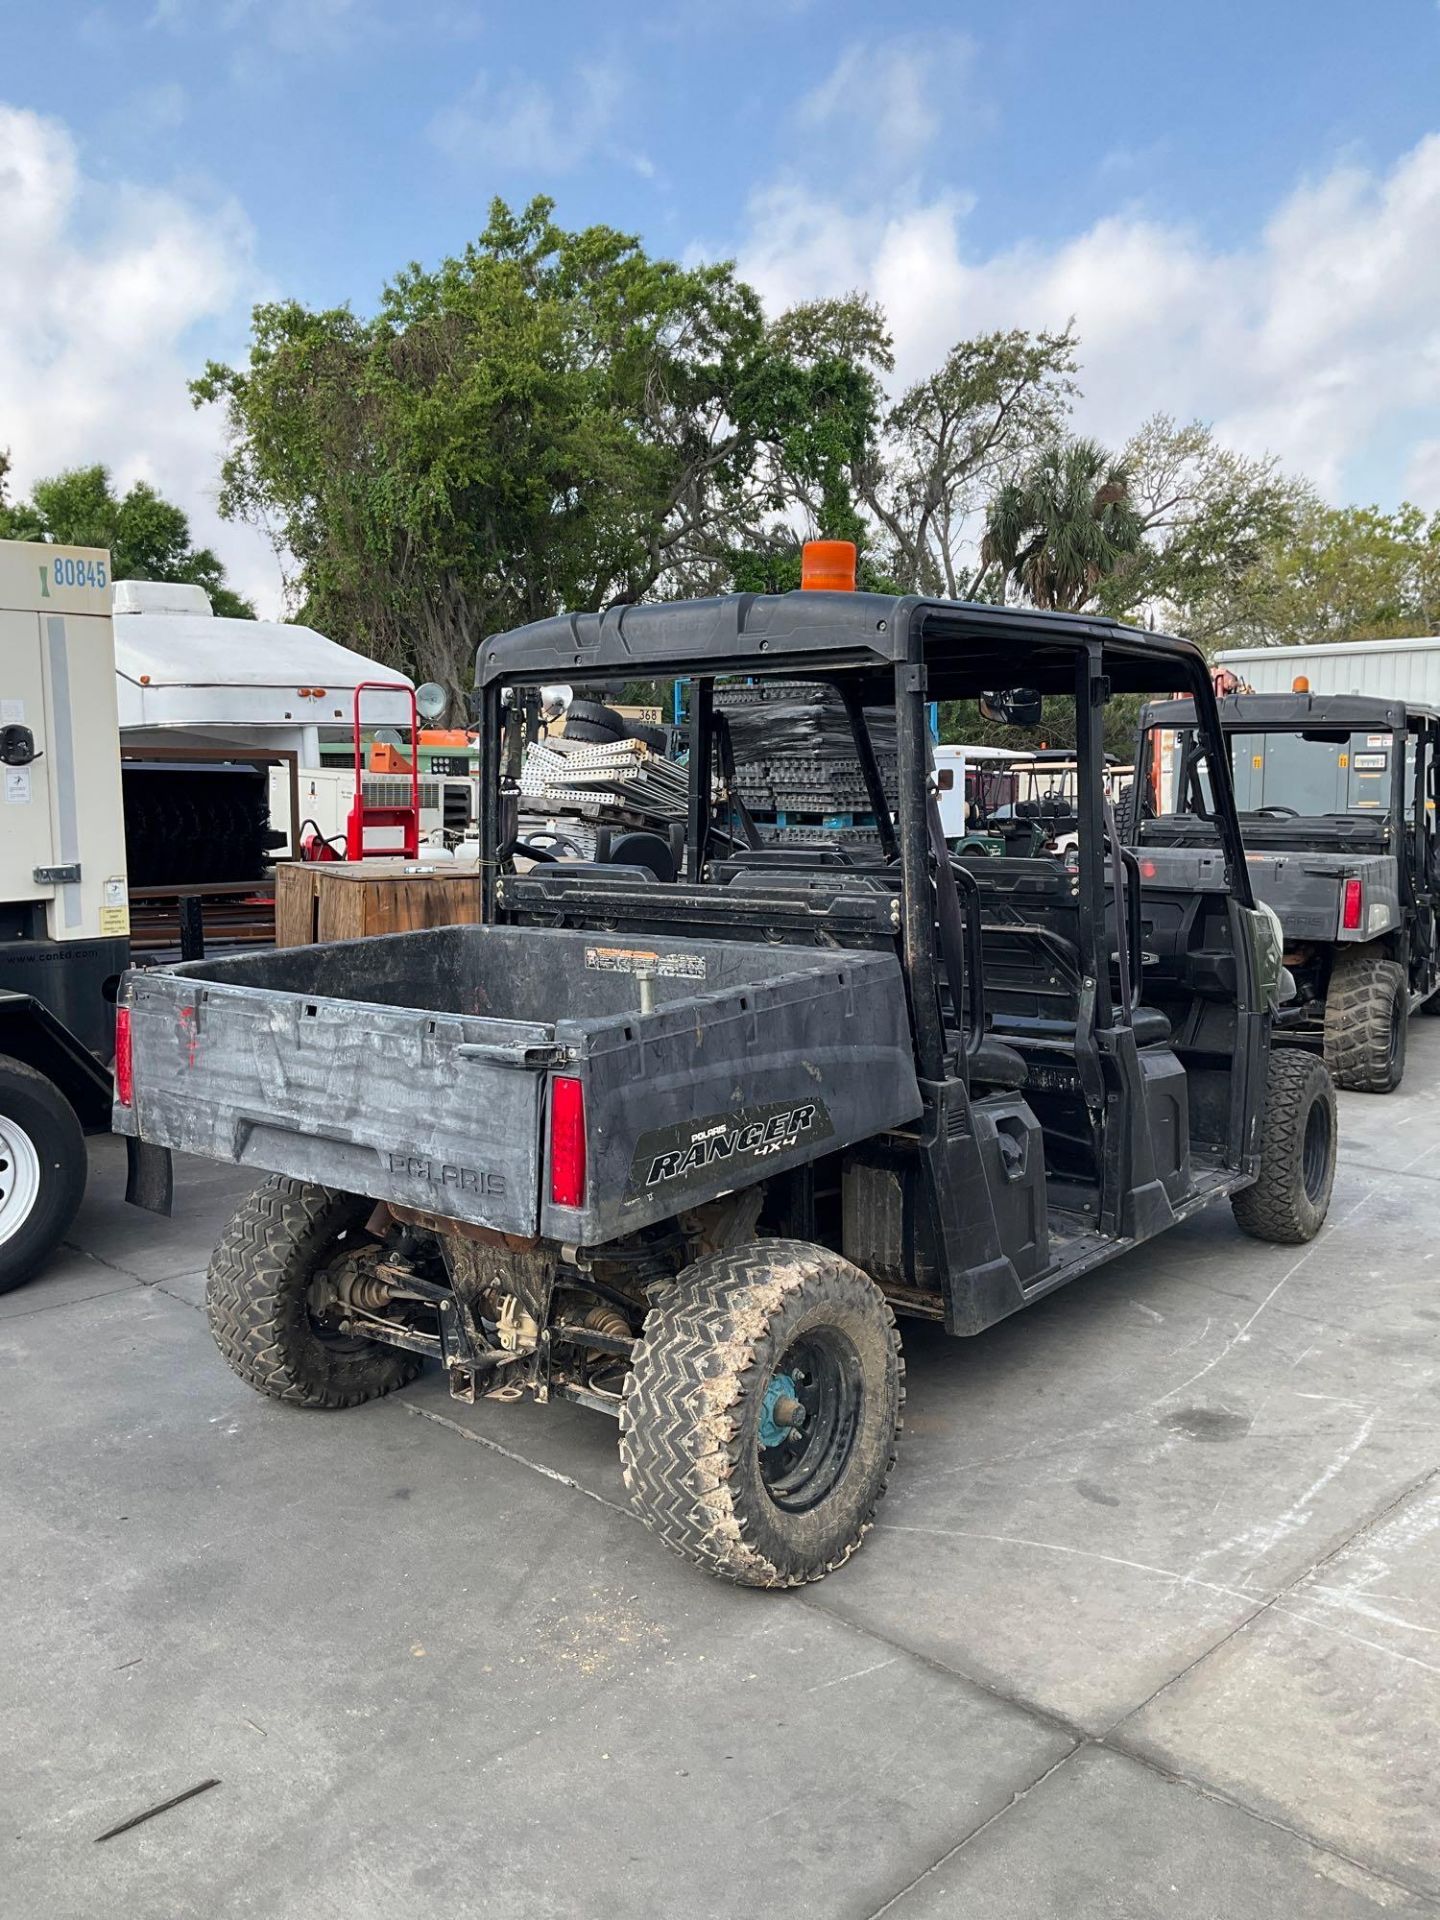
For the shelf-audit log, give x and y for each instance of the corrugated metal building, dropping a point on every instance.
(1388, 669)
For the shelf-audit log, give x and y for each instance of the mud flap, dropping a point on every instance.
(149, 1176)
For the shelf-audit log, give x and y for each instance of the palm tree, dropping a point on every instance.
(1063, 527)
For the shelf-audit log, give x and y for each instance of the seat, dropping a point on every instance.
(1150, 1026)
(996, 1064)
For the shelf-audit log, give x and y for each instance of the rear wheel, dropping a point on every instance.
(42, 1170)
(760, 1414)
(271, 1297)
(1289, 1201)
(1366, 1023)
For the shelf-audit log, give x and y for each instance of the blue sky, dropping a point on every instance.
(1240, 204)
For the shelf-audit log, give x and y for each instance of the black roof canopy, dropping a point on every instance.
(1295, 712)
(968, 646)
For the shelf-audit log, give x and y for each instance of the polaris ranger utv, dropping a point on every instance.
(680, 1150)
(1336, 794)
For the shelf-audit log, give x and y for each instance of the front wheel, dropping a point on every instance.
(1289, 1201)
(761, 1411)
(271, 1292)
(42, 1170)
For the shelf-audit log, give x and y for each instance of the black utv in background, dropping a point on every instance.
(680, 1150)
(1336, 795)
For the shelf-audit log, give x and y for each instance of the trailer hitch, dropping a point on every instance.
(464, 1352)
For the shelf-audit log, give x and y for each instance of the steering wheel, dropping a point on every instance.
(554, 853)
(1287, 813)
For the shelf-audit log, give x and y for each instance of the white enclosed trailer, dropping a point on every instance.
(1388, 669)
(189, 677)
(263, 682)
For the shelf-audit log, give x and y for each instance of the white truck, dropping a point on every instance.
(64, 915)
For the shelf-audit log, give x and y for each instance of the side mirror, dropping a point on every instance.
(1012, 707)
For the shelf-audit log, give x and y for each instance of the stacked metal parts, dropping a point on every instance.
(621, 782)
(795, 762)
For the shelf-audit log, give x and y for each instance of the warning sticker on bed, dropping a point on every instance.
(673, 966)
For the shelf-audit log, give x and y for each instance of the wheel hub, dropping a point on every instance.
(809, 1418)
(782, 1413)
(19, 1177)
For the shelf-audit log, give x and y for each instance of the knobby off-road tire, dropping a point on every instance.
(737, 1333)
(258, 1298)
(1288, 1203)
(42, 1170)
(1366, 1022)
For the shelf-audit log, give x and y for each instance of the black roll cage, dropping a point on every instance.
(1402, 723)
(874, 649)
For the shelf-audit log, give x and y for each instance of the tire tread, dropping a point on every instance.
(1358, 1010)
(1276, 1208)
(694, 1365)
(255, 1301)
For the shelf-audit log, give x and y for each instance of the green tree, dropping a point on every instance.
(951, 443)
(1343, 573)
(148, 537)
(1208, 517)
(550, 420)
(1064, 527)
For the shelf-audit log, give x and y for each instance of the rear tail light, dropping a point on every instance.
(567, 1141)
(124, 1068)
(1350, 911)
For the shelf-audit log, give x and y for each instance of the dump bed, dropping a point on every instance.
(421, 1068)
(1308, 891)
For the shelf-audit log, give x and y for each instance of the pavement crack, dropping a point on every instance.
(974, 1833)
(159, 1286)
(1216, 1794)
(59, 1306)
(1046, 1716)
(519, 1459)
(99, 1260)
(1336, 1547)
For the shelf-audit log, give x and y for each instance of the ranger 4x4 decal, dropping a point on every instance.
(684, 1156)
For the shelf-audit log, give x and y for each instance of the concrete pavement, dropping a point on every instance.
(1151, 1625)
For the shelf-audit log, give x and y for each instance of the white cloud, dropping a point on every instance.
(881, 106)
(529, 126)
(1318, 340)
(107, 293)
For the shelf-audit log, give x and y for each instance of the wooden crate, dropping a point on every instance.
(346, 900)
